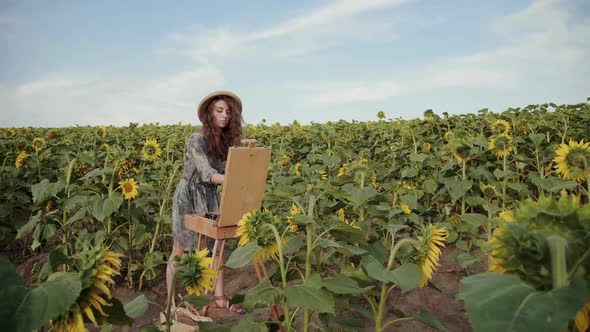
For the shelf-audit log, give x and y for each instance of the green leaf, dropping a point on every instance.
(104, 207)
(301, 219)
(242, 255)
(44, 190)
(28, 309)
(426, 318)
(116, 313)
(342, 284)
(465, 259)
(474, 219)
(312, 298)
(407, 276)
(293, 244)
(459, 188)
(314, 281)
(376, 270)
(262, 295)
(137, 307)
(97, 172)
(29, 226)
(358, 197)
(199, 301)
(247, 324)
(430, 186)
(503, 302)
(411, 200)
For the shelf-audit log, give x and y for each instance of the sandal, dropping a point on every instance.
(235, 308)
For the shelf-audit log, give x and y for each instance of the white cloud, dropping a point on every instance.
(532, 56)
(68, 99)
(334, 93)
(319, 28)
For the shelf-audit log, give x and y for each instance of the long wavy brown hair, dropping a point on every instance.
(220, 140)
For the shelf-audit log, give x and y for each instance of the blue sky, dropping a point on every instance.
(66, 63)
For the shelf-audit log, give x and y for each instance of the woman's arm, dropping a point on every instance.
(199, 162)
(217, 179)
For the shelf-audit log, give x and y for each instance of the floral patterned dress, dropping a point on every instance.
(194, 193)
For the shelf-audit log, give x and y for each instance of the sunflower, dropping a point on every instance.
(582, 320)
(195, 272)
(252, 228)
(323, 175)
(405, 208)
(448, 136)
(431, 239)
(297, 169)
(151, 150)
(488, 191)
(10, 133)
(294, 209)
(341, 214)
(51, 134)
(381, 115)
(20, 158)
(501, 127)
(427, 147)
(102, 133)
(96, 267)
(501, 145)
(494, 259)
(38, 144)
(573, 160)
(284, 161)
(460, 152)
(429, 116)
(129, 188)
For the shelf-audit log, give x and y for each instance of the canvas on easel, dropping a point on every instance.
(246, 170)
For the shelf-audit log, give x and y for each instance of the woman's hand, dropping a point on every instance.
(217, 179)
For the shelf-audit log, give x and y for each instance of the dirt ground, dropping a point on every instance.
(441, 304)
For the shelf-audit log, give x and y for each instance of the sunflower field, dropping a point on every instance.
(352, 211)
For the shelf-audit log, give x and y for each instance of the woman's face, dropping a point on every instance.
(221, 114)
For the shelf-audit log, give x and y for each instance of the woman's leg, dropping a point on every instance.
(177, 250)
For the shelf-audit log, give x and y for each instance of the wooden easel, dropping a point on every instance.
(244, 184)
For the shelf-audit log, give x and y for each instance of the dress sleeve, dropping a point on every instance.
(197, 156)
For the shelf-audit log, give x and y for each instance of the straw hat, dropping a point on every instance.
(204, 104)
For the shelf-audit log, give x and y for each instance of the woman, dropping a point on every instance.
(204, 164)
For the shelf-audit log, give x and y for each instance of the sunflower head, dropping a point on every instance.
(253, 227)
(151, 150)
(428, 253)
(520, 244)
(38, 144)
(20, 159)
(572, 160)
(380, 115)
(9, 133)
(405, 208)
(51, 134)
(129, 188)
(96, 266)
(195, 272)
(448, 136)
(429, 116)
(501, 145)
(102, 132)
(460, 151)
(501, 127)
(297, 168)
(489, 191)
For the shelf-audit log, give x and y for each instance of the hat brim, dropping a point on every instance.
(202, 109)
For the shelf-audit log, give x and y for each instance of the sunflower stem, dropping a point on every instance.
(557, 249)
(383, 299)
(283, 274)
